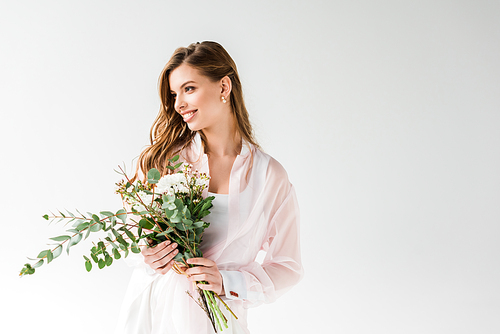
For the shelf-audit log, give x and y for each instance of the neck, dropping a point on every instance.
(224, 140)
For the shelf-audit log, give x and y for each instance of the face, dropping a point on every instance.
(197, 98)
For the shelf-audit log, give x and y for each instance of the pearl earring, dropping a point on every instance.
(224, 99)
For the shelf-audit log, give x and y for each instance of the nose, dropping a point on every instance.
(179, 104)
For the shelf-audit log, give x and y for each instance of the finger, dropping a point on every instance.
(201, 261)
(165, 269)
(203, 277)
(166, 259)
(208, 287)
(198, 278)
(195, 270)
(155, 249)
(159, 258)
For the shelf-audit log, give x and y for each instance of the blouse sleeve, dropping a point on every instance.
(281, 269)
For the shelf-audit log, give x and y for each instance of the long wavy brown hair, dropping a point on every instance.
(169, 133)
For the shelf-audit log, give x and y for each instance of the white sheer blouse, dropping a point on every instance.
(262, 215)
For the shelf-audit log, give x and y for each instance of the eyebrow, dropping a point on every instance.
(184, 84)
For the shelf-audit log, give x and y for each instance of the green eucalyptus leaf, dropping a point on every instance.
(57, 251)
(187, 213)
(82, 226)
(144, 223)
(46, 217)
(38, 264)
(101, 246)
(179, 204)
(43, 254)
(135, 248)
(113, 244)
(61, 238)
(116, 254)
(109, 260)
(87, 234)
(129, 234)
(74, 240)
(169, 213)
(167, 198)
(96, 218)
(78, 222)
(166, 232)
(122, 215)
(122, 241)
(106, 214)
(27, 270)
(88, 266)
(199, 224)
(50, 256)
(153, 176)
(176, 219)
(101, 263)
(115, 233)
(95, 227)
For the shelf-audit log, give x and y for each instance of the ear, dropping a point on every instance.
(226, 86)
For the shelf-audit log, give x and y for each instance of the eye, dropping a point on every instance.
(173, 95)
(189, 89)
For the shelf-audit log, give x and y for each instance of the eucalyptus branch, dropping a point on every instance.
(128, 180)
(169, 207)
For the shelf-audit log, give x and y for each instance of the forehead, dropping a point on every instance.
(183, 74)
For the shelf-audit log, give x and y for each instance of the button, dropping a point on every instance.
(234, 294)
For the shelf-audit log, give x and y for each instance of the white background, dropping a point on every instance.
(386, 115)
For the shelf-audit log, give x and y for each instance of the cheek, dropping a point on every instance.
(208, 100)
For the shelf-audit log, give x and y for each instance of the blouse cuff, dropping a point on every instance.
(234, 284)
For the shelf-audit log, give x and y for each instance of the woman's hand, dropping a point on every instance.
(206, 270)
(160, 257)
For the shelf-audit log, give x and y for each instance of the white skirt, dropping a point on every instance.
(159, 304)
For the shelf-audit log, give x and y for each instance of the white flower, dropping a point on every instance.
(181, 188)
(176, 182)
(202, 181)
(145, 198)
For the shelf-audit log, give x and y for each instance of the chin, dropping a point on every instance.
(193, 127)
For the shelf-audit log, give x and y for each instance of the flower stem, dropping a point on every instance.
(212, 309)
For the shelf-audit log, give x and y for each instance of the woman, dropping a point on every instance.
(203, 119)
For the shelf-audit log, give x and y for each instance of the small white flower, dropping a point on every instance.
(145, 198)
(171, 182)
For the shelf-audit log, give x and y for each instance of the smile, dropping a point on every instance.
(188, 115)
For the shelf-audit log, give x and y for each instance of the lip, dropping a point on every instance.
(185, 114)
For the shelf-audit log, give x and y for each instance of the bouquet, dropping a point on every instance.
(162, 208)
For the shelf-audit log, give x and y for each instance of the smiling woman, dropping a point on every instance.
(203, 119)
(196, 91)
